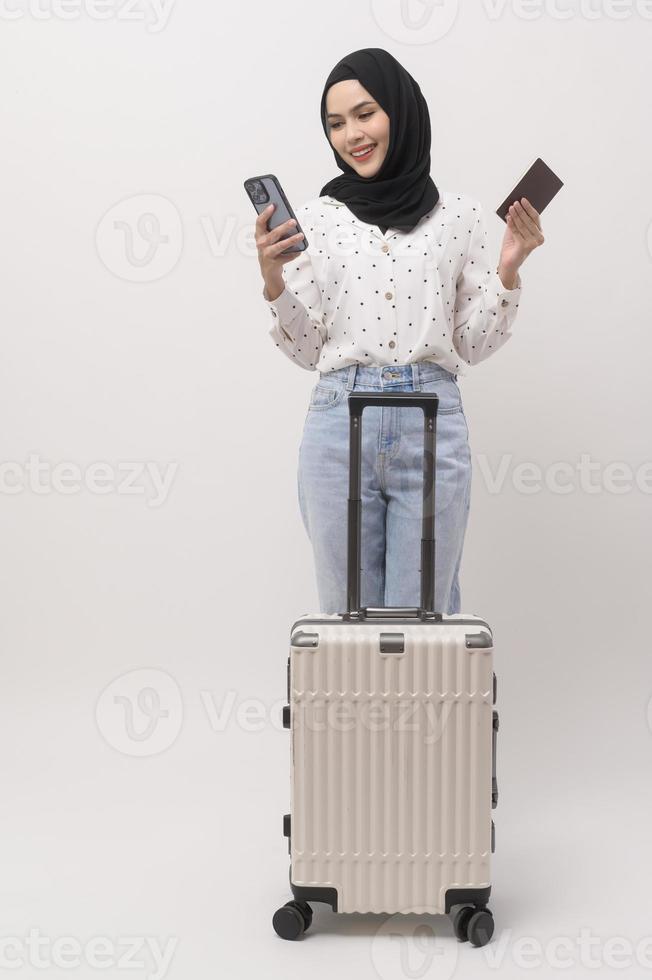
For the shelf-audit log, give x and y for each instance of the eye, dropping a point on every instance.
(363, 115)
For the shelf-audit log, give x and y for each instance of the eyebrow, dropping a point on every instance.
(329, 115)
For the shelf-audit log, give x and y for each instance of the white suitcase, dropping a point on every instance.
(393, 743)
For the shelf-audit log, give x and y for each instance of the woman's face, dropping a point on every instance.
(352, 126)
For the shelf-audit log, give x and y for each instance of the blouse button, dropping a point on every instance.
(388, 295)
(392, 343)
(385, 248)
(505, 302)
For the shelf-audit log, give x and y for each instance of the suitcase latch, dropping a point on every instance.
(392, 642)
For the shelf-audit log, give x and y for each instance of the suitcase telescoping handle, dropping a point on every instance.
(358, 401)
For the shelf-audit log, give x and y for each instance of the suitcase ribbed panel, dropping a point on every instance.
(391, 765)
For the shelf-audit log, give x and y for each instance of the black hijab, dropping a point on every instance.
(402, 190)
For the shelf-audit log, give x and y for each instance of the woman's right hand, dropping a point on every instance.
(270, 245)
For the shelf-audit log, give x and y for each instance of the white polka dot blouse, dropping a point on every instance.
(356, 295)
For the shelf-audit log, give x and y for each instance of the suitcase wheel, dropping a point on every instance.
(474, 925)
(461, 922)
(292, 919)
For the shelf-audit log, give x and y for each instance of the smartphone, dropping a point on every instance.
(539, 185)
(266, 190)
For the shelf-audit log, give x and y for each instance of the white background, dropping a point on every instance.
(115, 351)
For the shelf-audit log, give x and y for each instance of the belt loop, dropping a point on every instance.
(416, 377)
(350, 381)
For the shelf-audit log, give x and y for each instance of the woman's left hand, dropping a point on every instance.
(522, 235)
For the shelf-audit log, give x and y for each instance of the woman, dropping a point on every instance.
(394, 293)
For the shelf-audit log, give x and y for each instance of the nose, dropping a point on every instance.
(353, 136)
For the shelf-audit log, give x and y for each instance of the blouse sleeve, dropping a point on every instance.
(297, 320)
(484, 309)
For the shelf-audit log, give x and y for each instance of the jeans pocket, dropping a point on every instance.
(325, 396)
(450, 399)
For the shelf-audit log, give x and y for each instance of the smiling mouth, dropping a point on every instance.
(365, 156)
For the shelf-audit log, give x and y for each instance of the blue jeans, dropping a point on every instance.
(391, 487)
